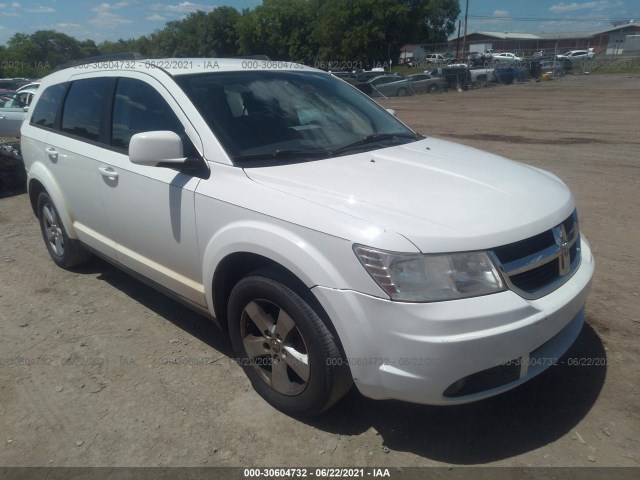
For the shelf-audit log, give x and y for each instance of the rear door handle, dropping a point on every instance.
(52, 153)
(108, 172)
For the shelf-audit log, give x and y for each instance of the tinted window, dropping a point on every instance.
(82, 114)
(44, 113)
(280, 116)
(137, 108)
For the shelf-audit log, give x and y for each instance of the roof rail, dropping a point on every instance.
(250, 57)
(101, 58)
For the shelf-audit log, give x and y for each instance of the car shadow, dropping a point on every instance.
(193, 323)
(521, 420)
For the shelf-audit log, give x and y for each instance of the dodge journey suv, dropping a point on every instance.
(333, 244)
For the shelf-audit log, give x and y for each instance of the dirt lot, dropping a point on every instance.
(98, 369)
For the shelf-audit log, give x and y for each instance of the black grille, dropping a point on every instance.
(536, 279)
(532, 274)
(514, 251)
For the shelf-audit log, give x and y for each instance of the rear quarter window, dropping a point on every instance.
(46, 110)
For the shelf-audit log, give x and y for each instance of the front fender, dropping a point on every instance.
(305, 254)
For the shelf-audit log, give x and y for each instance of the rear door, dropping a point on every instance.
(73, 156)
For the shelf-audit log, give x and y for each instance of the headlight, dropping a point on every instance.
(411, 277)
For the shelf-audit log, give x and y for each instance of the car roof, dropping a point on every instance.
(184, 66)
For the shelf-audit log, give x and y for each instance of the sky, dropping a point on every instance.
(534, 16)
(99, 20)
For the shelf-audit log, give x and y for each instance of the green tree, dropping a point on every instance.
(433, 20)
(365, 31)
(280, 29)
(222, 32)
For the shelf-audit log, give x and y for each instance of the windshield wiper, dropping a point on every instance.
(283, 153)
(298, 153)
(376, 137)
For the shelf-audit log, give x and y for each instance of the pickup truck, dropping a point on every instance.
(480, 76)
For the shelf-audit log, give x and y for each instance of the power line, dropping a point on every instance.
(546, 19)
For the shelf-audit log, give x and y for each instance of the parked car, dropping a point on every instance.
(12, 83)
(457, 76)
(13, 107)
(509, 75)
(437, 58)
(29, 86)
(505, 57)
(425, 83)
(480, 76)
(346, 76)
(390, 86)
(572, 57)
(478, 59)
(333, 244)
(580, 55)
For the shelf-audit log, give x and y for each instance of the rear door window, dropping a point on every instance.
(46, 110)
(84, 108)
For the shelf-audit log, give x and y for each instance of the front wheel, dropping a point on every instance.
(288, 353)
(402, 92)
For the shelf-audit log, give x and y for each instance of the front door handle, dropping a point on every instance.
(2, 117)
(108, 172)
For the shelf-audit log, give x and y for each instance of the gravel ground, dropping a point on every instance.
(98, 369)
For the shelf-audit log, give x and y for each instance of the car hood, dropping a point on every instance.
(440, 195)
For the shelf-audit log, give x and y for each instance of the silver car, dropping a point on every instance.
(425, 83)
(13, 108)
(390, 86)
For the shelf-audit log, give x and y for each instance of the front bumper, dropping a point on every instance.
(470, 349)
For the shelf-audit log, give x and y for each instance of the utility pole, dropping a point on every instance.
(458, 42)
(466, 16)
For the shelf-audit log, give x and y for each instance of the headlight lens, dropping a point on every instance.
(410, 277)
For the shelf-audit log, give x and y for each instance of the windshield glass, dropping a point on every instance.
(276, 117)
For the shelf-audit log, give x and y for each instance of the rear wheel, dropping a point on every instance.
(65, 252)
(288, 353)
(433, 89)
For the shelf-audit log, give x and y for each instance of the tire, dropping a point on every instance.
(433, 89)
(65, 252)
(402, 92)
(273, 329)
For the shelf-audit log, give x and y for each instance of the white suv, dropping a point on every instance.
(437, 58)
(332, 243)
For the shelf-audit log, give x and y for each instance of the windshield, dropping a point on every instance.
(276, 117)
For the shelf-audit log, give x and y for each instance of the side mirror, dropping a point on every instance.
(391, 111)
(151, 148)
